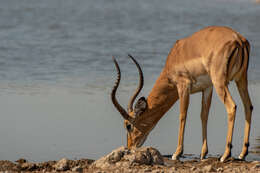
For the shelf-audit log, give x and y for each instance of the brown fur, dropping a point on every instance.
(210, 57)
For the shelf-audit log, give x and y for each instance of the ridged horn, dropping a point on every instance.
(140, 86)
(122, 111)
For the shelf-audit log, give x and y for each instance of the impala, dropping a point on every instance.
(210, 57)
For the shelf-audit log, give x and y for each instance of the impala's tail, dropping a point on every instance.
(238, 60)
(246, 52)
(245, 59)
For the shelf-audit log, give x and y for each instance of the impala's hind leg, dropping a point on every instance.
(184, 95)
(205, 105)
(243, 91)
(224, 94)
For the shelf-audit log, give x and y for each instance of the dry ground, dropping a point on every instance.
(84, 165)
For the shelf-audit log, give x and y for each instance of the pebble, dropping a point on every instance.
(256, 166)
(193, 168)
(255, 162)
(148, 170)
(174, 169)
(220, 170)
(77, 169)
(208, 168)
(21, 161)
(28, 166)
(62, 165)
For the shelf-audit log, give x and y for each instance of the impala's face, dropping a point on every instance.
(136, 135)
(135, 138)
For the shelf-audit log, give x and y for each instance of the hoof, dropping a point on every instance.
(224, 158)
(174, 157)
(241, 157)
(203, 156)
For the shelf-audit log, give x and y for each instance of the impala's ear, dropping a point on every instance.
(140, 106)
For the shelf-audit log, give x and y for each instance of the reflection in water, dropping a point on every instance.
(256, 147)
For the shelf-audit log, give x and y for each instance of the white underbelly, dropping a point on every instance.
(200, 83)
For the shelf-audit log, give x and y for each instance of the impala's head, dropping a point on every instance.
(137, 130)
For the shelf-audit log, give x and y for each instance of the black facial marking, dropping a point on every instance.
(128, 127)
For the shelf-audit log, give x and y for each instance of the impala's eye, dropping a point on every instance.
(128, 127)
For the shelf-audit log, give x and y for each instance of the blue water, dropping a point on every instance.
(56, 70)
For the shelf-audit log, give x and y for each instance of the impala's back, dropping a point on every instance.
(210, 54)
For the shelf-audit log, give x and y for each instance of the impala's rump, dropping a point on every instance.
(209, 53)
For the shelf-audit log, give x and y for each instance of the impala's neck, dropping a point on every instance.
(161, 98)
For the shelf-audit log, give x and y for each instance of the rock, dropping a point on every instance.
(148, 170)
(62, 165)
(77, 169)
(255, 162)
(220, 170)
(123, 157)
(21, 161)
(157, 171)
(208, 168)
(28, 166)
(193, 168)
(173, 169)
(257, 166)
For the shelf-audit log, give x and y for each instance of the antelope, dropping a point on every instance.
(210, 57)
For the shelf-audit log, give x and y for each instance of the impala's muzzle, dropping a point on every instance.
(136, 141)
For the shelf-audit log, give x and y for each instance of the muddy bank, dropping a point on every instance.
(84, 165)
(145, 159)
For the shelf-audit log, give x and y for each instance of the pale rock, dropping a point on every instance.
(208, 168)
(28, 166)
(77, 169)
(220, 170)
(173, 169)
(257, 166)
(193, 168)
(124, 158)
(147, 170)
(62, 165)
(255, 162)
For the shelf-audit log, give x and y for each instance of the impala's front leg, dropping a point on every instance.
(184, 94)
(206, 101)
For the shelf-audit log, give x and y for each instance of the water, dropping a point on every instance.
(56, 73)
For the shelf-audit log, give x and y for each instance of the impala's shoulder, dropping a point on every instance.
(177, 43)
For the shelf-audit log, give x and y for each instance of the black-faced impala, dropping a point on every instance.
(210, 57)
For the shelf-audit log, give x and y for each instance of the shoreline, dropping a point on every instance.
(211, 164)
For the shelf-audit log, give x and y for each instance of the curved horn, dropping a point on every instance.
(140, 86)
(113, 95)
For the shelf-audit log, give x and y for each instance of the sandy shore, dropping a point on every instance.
(84, 165)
